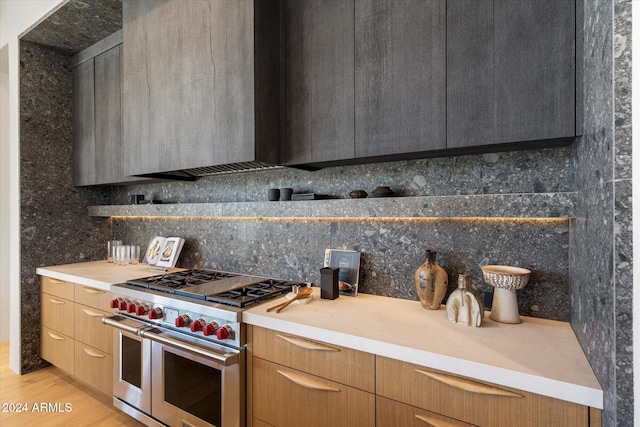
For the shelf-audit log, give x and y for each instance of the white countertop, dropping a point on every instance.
(98, 274)
(538, 356)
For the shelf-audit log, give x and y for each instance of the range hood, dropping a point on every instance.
(195, 173)
(203, 87)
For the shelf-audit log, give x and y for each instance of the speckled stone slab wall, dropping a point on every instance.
(601, 255)
(55, 228)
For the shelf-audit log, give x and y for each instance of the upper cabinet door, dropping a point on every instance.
(511, 71)
(400, 76)
(84, 140)
(108, 116)
(319, 81)
(188, 84)
(535, 74)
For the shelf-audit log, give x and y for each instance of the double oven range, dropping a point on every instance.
(179, 356)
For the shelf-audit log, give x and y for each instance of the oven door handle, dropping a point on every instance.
(116, 322)
(226, 359)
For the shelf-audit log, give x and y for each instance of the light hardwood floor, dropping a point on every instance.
(53, 389)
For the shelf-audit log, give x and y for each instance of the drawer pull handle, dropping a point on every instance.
(307, 345)
(307, 382)
(56, 281)
(93, 291)
(92, 313)
(55, 336)
(434, 422)
(469, 385)
(56, 301)
(93, 353)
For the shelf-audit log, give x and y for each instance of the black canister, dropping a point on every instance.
(329, 283)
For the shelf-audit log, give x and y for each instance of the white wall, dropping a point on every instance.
(16, 16)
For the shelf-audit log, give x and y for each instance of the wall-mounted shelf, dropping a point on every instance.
(529, 205)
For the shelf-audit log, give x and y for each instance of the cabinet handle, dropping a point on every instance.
(56, 301)
(92, 313)
(434, 422)
(93, 291)
(469, 385)
(306, 382)
(56, 336)
(93, 353)
(56, 281)
(307, 345)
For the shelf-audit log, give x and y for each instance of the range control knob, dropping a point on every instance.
(124, 304)
(224, 332)
(115, 303)
(197, 325)
(156, 313)
(131, 308)
(210, 328)
(183, 320)
(142, 309)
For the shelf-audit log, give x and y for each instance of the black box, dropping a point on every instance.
(329, 283)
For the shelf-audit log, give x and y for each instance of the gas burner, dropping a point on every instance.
(170, 282)
(252, 294)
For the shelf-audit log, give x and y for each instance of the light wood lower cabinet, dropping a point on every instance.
(390, 413)
(73, 337)
(57, 349)
(94, 367)
(472, 401)
(90, 330)
(284, 397)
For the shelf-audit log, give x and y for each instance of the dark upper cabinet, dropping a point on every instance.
(108, 115)
(511, 71)
(84, 141)
(201, 84)
(319, 81)
(97, 114)
(400, 76)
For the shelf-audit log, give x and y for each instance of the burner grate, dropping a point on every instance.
(252, 294)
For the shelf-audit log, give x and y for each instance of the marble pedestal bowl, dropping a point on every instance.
(506, 280)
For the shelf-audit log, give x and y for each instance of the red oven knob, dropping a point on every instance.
(224, 332)
(131, 308)
(156, 313)
(142, 309)
(181, 321)
(196, 325)
(115, 303)
(123, 305)
(210, 328)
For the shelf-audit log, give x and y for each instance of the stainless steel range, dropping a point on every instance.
(181, 336)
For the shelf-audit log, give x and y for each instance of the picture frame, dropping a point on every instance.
(348, 263)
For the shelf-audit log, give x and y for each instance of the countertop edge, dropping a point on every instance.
(522, 381)
(103, 286)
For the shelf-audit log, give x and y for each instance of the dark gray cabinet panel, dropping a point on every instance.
(319, 84)
(470, 93)
(510, 71)
(534, 74)
(83, 124)
(400, 76)
(108, 116)
(190, 84)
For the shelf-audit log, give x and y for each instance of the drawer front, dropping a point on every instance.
(472, 401)
(259, 423)
(285, 397)
(57, 287)
(57, 349)
(390, 413)
(90, 330)
(351, 367)
(94, 367)
(92, 297)
(57, 314)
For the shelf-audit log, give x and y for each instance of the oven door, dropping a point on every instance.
(131, 367)
(196, 383)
